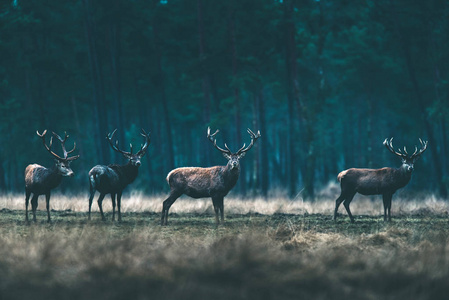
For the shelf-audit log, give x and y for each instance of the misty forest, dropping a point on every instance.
(325, 82)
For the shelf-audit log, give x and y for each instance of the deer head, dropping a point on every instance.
(134, 159)
(407, 160)
(62, 163)
(233, 158)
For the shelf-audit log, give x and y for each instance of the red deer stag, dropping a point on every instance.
(112, 179)
(40, 180)
(385, 181)
(214, 182)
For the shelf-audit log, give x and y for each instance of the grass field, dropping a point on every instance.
(267, 249)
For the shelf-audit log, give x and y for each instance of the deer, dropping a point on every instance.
(40, 180)
(384, 181)
(214, 182)
(113, 179)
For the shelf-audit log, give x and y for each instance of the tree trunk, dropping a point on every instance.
(205, 81)
(291, 67)
(433, 145)
(114, 51)
(79, 133)
(241, 185)
(99, 107)
(263, 145)
(163, 97)
(308, 115)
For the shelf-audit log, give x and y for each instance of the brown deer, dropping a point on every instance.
(40, 180)
(214, 182)
(112, 179)
(385, 181)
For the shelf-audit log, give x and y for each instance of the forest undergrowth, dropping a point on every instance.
(267, 249)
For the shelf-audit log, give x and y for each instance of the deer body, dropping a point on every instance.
(204, 182)
(214, 182)
(375, 181)
(113, 179)
(384, 181)
(40, 180)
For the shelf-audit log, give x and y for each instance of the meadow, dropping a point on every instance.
(267, 249)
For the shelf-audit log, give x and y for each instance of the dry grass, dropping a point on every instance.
(268, 249)
(277, 203)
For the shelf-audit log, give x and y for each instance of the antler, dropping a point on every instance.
(417, 153)
(141, 152)
(389, 145)
(210, 137)
(143, 149)
(66, 153)
(110, 136)
(254, 137)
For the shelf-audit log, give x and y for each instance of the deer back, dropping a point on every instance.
(112, 178)
(373, 181)
(40, 180)
(203, 182)
(104, 179)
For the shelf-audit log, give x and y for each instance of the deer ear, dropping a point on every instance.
(227, 156)
(242, 154)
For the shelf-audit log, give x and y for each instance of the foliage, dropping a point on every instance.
(364, 71)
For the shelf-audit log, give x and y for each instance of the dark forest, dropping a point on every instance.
(325, 82)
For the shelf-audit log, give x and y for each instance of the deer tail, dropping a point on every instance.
(93, 181)
(341, 175)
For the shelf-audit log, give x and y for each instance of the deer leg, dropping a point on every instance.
(216, 203)
(167, 204)
(91, 197)
(27, 200)
(113, 206)
(47, 202)
(346, 205)
(387, 206)
(100, 205)
(337, 205)
(119, 201)
(34, 205)
(220, 203)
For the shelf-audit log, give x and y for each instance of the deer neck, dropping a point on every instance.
(127, 173)
(53, 176)
(130, 172)
(230, 176)
(403, 176)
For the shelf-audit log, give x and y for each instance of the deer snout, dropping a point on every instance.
(410, 168)
(70, 173)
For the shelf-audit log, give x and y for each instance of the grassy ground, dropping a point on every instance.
(276, 249)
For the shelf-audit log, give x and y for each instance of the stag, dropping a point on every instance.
(40, 180)
(385, 181)
(214, 182)
(112, 179)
